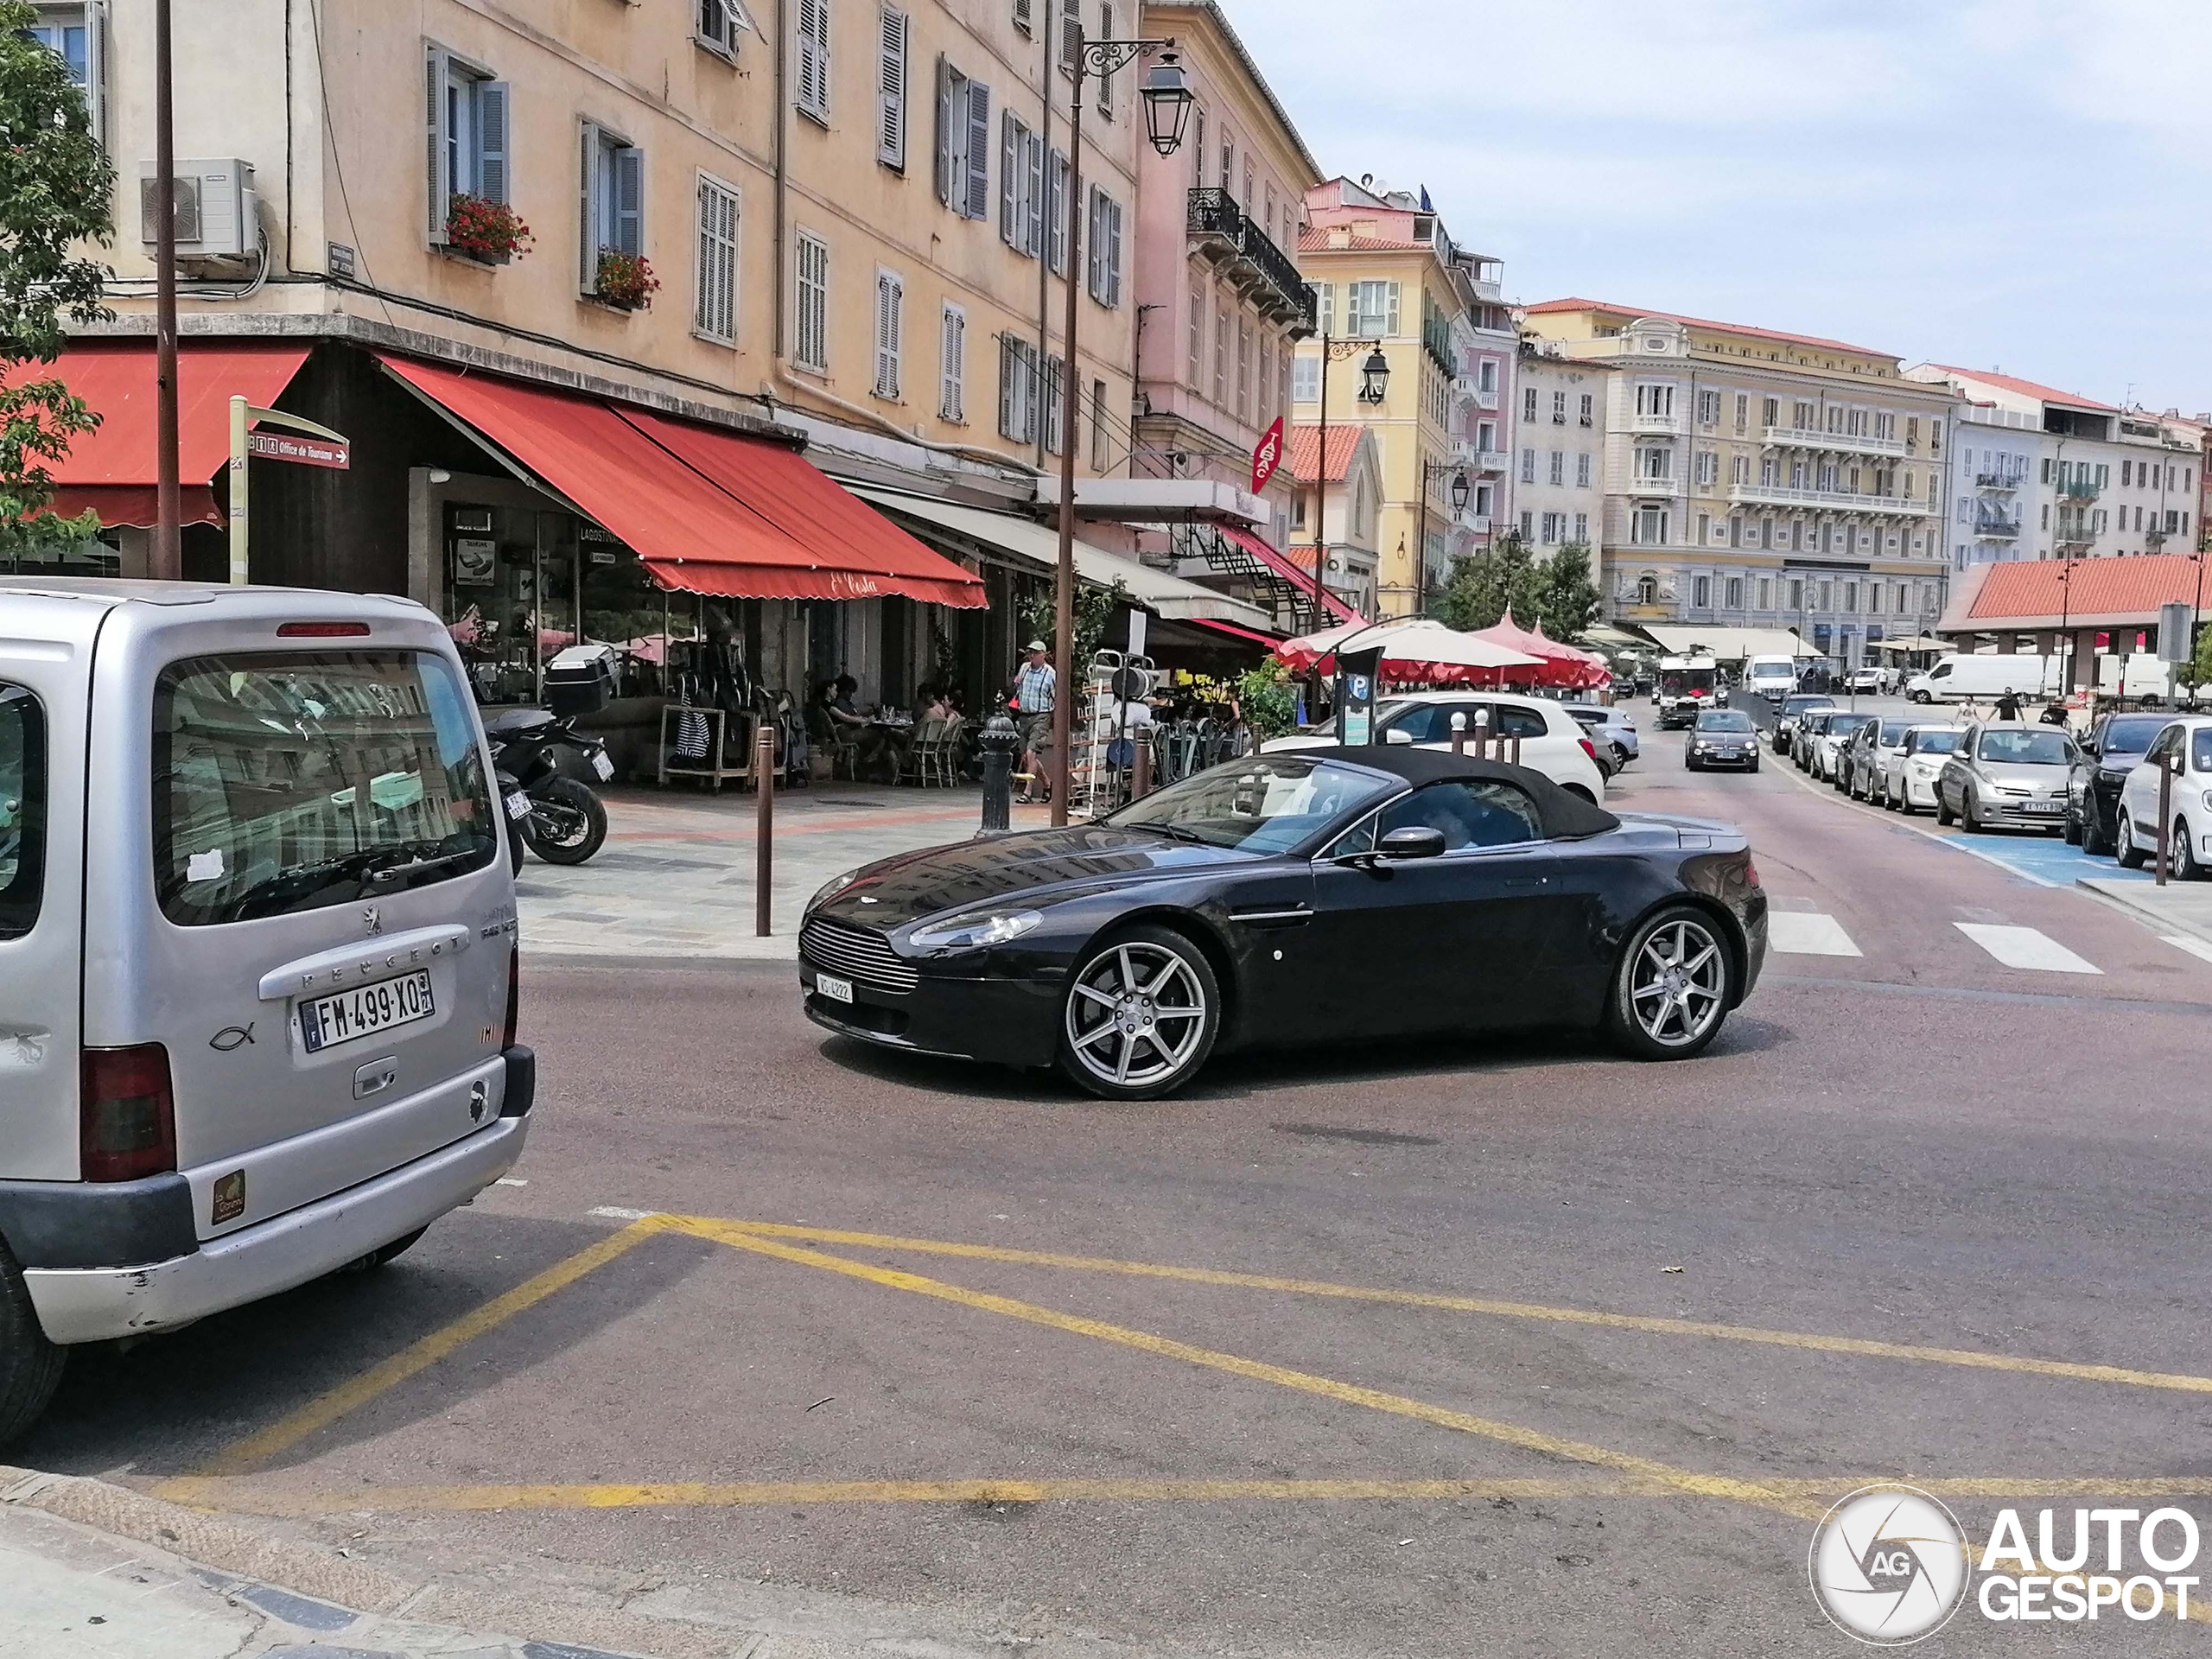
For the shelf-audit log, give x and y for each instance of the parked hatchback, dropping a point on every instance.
(1542, 736)
(2005, 772)
(2183, 749)
(2114, 745)
(1608, 727)
(1793, 710)
(257, 958)
(1859, 769)
(1909, 771)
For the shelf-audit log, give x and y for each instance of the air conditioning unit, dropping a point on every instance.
(217, 215)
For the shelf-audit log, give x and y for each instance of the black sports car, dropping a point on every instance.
(2115, 744)
(1292, 899)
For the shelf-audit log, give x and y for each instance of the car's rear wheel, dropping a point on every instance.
(1672, 986)
(2093, 835)
(2132, 857)
(30, 1366)
(1141, 1015)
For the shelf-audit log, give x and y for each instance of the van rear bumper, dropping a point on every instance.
(95, 1304)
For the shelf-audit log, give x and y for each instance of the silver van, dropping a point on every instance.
(257, 954)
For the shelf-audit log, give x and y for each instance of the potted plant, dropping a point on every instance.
(626, 281)
(485, 230)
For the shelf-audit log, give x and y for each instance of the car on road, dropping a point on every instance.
(2184, 749)
(2112, 749)
(1771, 678)
(1859, 768)
(1722, 737)
(1550, 739)
(257, 954)
(1329, 894)
(1910, 771)
(1877, 681)
(1985, 678)
(1608, 727)
(1826, 750)
(2007, 772)
(1805, 737)
(1794, 708)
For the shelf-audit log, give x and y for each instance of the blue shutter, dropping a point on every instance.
(630, 200)
(492, 101)
(979, 150)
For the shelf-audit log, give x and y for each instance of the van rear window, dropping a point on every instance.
(291, 782)
(22, 809)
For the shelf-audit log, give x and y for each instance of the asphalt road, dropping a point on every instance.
(1901, 1143)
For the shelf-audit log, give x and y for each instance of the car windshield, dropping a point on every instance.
(1893, 732)
(2131, 733)
(2027, 748)
(1724, 719)
(1799, 705)
(1932, 740)
(1263, 803)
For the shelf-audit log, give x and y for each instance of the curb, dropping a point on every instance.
(2119, 893)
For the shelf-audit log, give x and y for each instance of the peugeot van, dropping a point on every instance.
(257, 954)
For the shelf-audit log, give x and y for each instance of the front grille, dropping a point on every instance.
(864, 958)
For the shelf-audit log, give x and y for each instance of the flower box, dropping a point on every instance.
(481, 229)
(625, 280)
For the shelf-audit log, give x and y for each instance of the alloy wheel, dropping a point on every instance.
(1136, 1015)
(1679, 982)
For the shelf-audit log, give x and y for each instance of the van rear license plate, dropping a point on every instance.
(837, 990)
(329, 1021)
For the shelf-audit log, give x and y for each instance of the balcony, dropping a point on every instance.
(2080, 489)
(1662, 425)
(1465, 386)
(1487, 460)
(1642, 486)
(1846, 443)
(1997, 530)
(1776, 495)
(1267, 277)
(1996, 481)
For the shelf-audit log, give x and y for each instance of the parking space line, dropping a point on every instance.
(710, 1227)
(2027, 948)
(2195, 947)
(261, 1445)
(1808, 933)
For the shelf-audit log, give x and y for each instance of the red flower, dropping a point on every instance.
(485, 230)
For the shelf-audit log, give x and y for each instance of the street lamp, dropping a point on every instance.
(1460, 491)
(1166, 109)
(1374, 377)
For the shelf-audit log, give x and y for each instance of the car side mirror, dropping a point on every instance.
(1397, 735)
(1415, 841)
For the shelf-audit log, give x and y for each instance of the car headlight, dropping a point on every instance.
(2207, 800)
(973, 932)
(833, 887)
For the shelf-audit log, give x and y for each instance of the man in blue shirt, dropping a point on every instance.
(1035, 692)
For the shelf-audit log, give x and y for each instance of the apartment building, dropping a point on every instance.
(1342, 495)
(1562, 405)
(1486, 342)
(1385, 270)
(838, 227)
(1758, 478)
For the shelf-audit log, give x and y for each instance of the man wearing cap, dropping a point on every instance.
(1035, 690)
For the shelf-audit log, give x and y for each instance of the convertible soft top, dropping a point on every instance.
(1566, 816)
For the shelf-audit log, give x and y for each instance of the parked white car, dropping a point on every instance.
(1910, 771)
(2185, 749)
(1552, 740)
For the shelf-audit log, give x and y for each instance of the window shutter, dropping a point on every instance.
(887, 298)
(630, 200)
(1006, 387)
(1093, 271)
(945, 146)
(492, 101)
(1009, 176)
(952, 354)
(1056, 212)
(1032, 227)
(441, 186)
(1021, 17)
(979, 150)
(891, 95)
(1392, 326)
(588, 211)
(1106, 82)
(1113, 250)
(814, 58)
(1070, 28)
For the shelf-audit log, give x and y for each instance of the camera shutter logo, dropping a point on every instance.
(1889, 1566)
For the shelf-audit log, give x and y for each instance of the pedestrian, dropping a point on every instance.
(1036, 692)
(2008, 706)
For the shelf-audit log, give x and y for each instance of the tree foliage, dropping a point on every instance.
(1094, 613)
(56, 192)
(1557, 591)
(1268, 699)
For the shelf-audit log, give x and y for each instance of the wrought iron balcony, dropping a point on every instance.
(1224, 233)
(2080, 489)
(2000, 530)
(1997, 481)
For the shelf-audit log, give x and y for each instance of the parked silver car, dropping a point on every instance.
(2005, 771)
(1607, 727)
(1858, 771)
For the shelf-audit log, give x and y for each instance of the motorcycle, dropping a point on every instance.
(559, 818)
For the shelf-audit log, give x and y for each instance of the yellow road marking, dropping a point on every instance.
(711, 1227)
(287, 1431)
(1527, 1440)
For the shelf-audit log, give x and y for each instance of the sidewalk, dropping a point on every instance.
(2179, 908)
(675, 877)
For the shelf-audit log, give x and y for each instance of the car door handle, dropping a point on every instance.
(375, 1077)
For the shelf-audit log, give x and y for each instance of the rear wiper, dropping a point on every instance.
(420, 866)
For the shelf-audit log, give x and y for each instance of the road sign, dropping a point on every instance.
(309, 452)
(315, 446)
(2175, 622)
(1268, 456)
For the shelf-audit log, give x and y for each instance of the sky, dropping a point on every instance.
(2013, 184)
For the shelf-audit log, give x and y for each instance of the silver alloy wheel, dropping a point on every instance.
(1678, 982)
(1136, 1015)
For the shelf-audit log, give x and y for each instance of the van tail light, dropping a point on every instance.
(514, 998)
(322, 630)
(126, 1114)
(1588, 748)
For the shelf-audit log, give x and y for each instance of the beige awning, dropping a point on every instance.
(1728, 645)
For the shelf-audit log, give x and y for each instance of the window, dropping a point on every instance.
(613, 199)
(1708, 465)
(1656, 399)
(68, 37)
(1528, 526)
(1582, 469)
(716, 22)
(952, 366)
(1056, 212)
(1559, 409)
(1017, 389)
(1528, 402)
(1801, 416)
(1740, 469)
(1371, 309)
(1558, 475)
(1486, 375)
(1100, 451)
(811, 326)
(891, 91)
(1850, 596)
(1469, 813)
(1655, 462)
(1071, 23)
(1587, 402)
(1104, 263)
(1701, 592)
(1022, 187)
(964, 141)
(1647, 590)
(713, 311)
(1221, 356)
(1582, 527)
(268, 762)
(812, 27)
(1766, 594)
(1024, 16)
(1306, 380)
(1053, 394)
(890, 324)
(1528, 466)
(1555, 528)
(1194, 344)
(1486, 437)
(22, 811)
(1648, 527)
(1770, 411)
(1742, 410)
(1708, 408)
(467, 138)
(1243, 369)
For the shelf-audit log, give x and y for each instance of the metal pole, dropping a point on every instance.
(1321, 499)
(1061, 767)
(1420, 542)
(763, 848)
(168, 560)
(1141, 767)
(238, 493)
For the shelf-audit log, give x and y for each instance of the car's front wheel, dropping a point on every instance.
(2132, 857)
(2093, 835)
(1672, 986)
(1141, 1015)
(2182, 856)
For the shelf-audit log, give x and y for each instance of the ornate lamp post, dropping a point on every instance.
(1168, 100)
(1460, 491)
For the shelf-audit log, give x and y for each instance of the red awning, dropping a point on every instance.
(114, 470)
(1266, 642)
(1302, 580)
(696, 529)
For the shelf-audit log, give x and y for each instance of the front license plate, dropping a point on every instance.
(365, 1010)
(837, 990)
(602, 765)
(2042, 806)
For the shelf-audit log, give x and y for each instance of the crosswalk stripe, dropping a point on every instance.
(2195, 947)
(1807, 933)
(2025, 947)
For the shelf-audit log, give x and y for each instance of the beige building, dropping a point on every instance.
(1343, 496)
(1559, 460)
(1760, 480)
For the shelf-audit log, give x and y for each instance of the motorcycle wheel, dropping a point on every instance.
(567, 822)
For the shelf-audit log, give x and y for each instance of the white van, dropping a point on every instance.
(257, 954)
(1985, 678)
(1771, 678)
(2141, 674)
